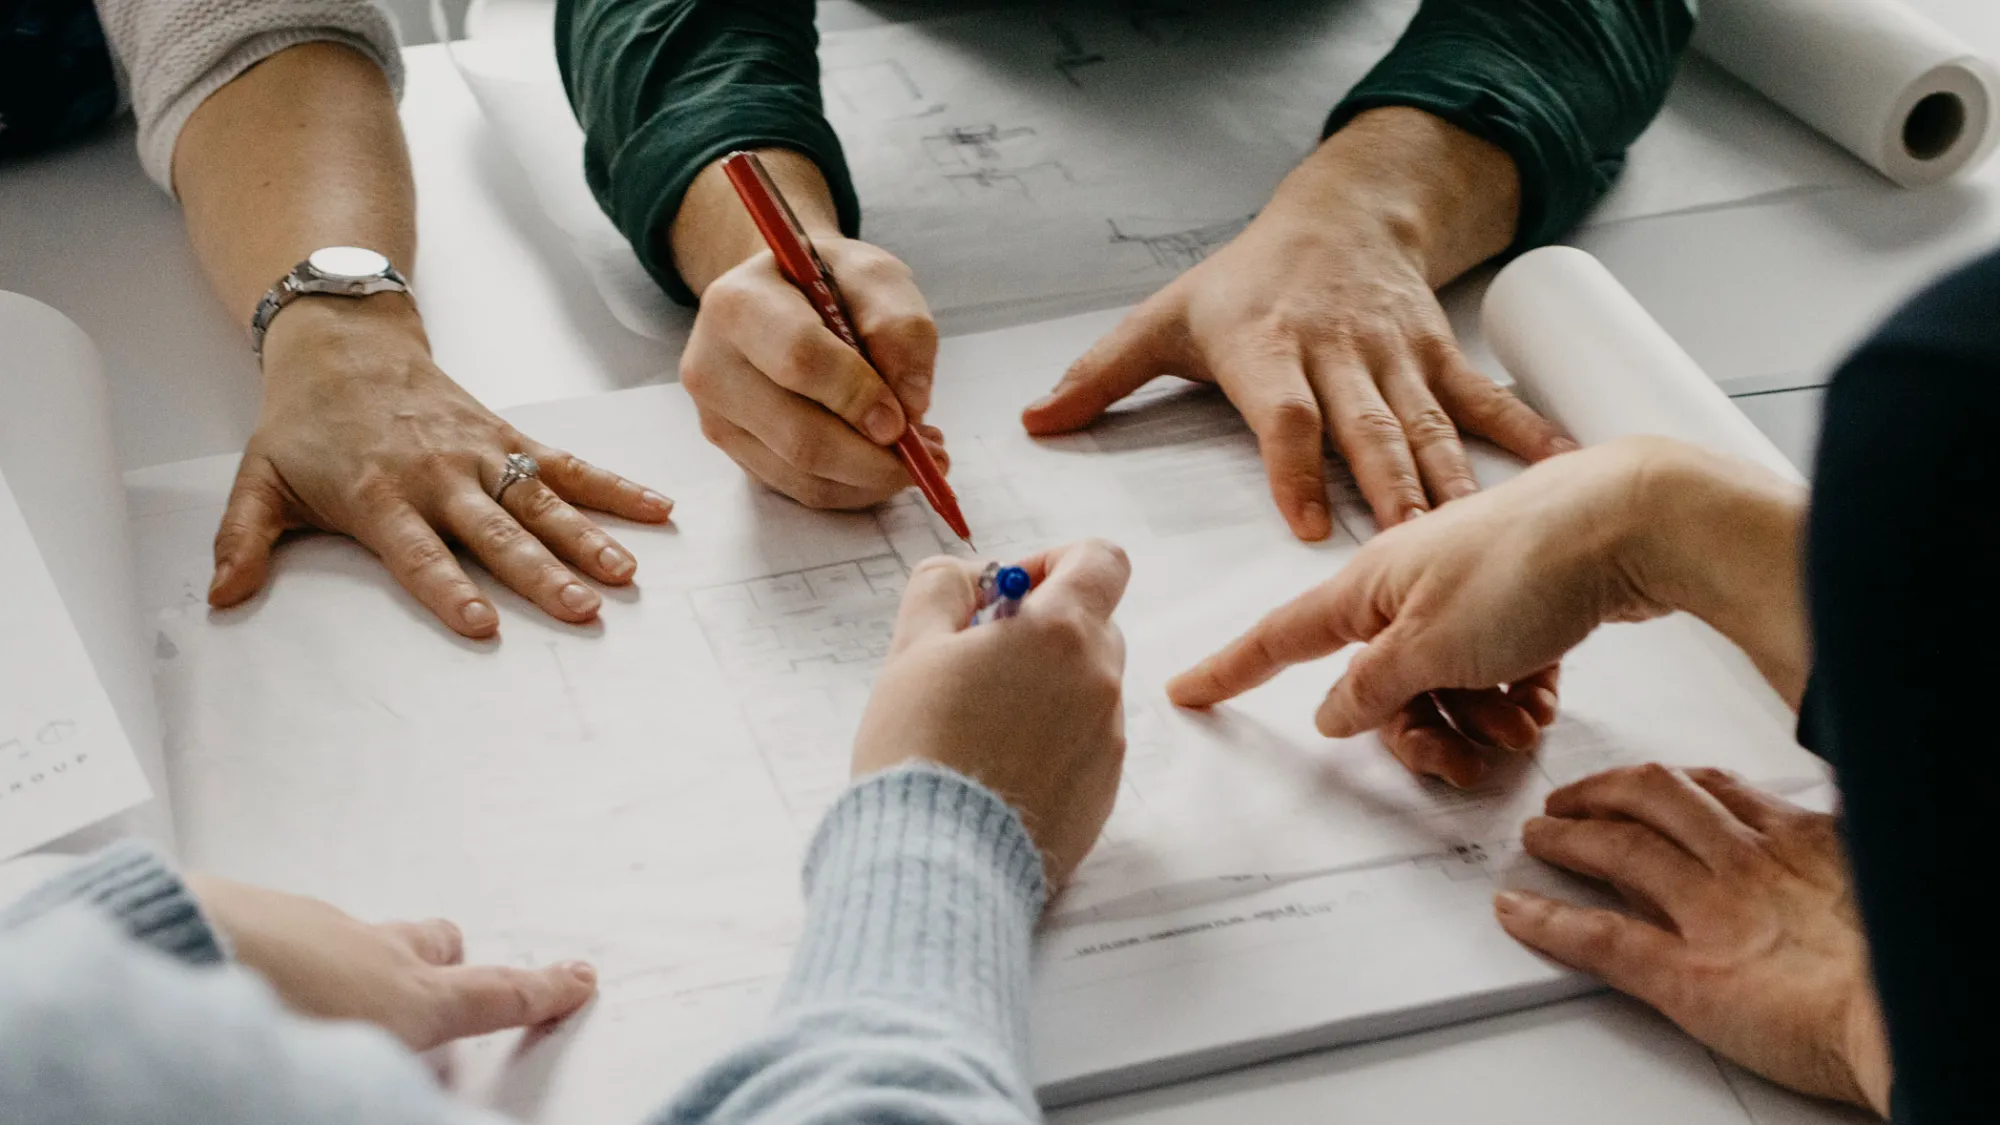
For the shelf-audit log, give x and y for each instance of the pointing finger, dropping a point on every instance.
(479, 999)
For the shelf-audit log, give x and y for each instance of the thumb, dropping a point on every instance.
(479, 999)
(256, 515)
(1379, 681)
(940, 600)
(1142, 347)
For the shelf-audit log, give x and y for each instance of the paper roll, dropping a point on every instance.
(1893, 88)
(1590, 358)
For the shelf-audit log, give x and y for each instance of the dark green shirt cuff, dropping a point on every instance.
(1562, 86)
(647, 177)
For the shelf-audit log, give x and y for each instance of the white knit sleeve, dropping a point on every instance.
(175, 53)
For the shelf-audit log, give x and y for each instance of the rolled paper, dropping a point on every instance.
(1906, 96)
(1588, 356)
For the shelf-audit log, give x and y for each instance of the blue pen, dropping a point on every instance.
(1001, 589)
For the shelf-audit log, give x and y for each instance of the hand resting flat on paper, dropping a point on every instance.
(1320, 323)
(362, 434)
(1029, 706)
(797, 408)
(1748, 936)
(1474, 606)
(408, 978)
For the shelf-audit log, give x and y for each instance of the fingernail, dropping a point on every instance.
(1413, 513)
(1510, 902)
(1564, 445)
(581, 971)
(580, 598)
(615, 562)
(1314, 520)
(1042, 403)
(477, 614)
(882, 423)
(654, 500)
(223, 573)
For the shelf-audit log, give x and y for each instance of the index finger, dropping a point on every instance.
(1089, 575)
(1323, 620)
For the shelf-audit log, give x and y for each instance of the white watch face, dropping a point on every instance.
(348, 263)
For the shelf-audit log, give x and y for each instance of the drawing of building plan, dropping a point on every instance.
(1035, 159)
(638, 792)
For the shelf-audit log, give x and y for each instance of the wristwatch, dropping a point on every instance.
(340, 271)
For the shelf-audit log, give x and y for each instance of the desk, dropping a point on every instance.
(1765, 297)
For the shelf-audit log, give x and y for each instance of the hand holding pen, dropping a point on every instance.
(1032, 710)
(766, 378)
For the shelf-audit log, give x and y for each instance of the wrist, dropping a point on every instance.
(1720, 539)
(324, 326)
(712, 233)
(1450, 199)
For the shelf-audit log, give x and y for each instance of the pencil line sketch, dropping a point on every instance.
(882, 90)
(1024, 182)
(972, 146)
(1075, 56)
(1181, 250)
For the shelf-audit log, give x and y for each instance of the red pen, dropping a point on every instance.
(802, 266)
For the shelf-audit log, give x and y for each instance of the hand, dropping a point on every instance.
(1489, 591)
(405, 977)
(1028, 706)
(1320, 318)
(777, 390)
(1754, 946)
(362, 434)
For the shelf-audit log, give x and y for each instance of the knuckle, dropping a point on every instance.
(542, 503)
(1375, 424)
(1430, 426)
(715, 428)
(499, 530)
(802, 447)
(1295, 413)
(423, 554)
(374, 491)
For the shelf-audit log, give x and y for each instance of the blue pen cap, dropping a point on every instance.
(1012, 582)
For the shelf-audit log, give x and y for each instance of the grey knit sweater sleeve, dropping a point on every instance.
(907, 1000)
(172, 54)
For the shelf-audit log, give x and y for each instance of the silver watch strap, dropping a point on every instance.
(304, 281)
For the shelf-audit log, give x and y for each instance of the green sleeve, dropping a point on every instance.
(664, 88)
(1563, 86)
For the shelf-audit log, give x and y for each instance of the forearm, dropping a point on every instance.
(1561, 86)
(664, 88)
(908, 994)
(712, 233)
(1722, 539)
(301, 152)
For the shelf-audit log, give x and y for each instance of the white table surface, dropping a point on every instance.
(1766, 297)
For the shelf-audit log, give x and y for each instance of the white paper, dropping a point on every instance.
(1884, 81)
(638, 792)
(1033, 161)
(75, 696)
(1589, 357)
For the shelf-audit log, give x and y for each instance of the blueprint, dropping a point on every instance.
(637, 792)
(1031, 160)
